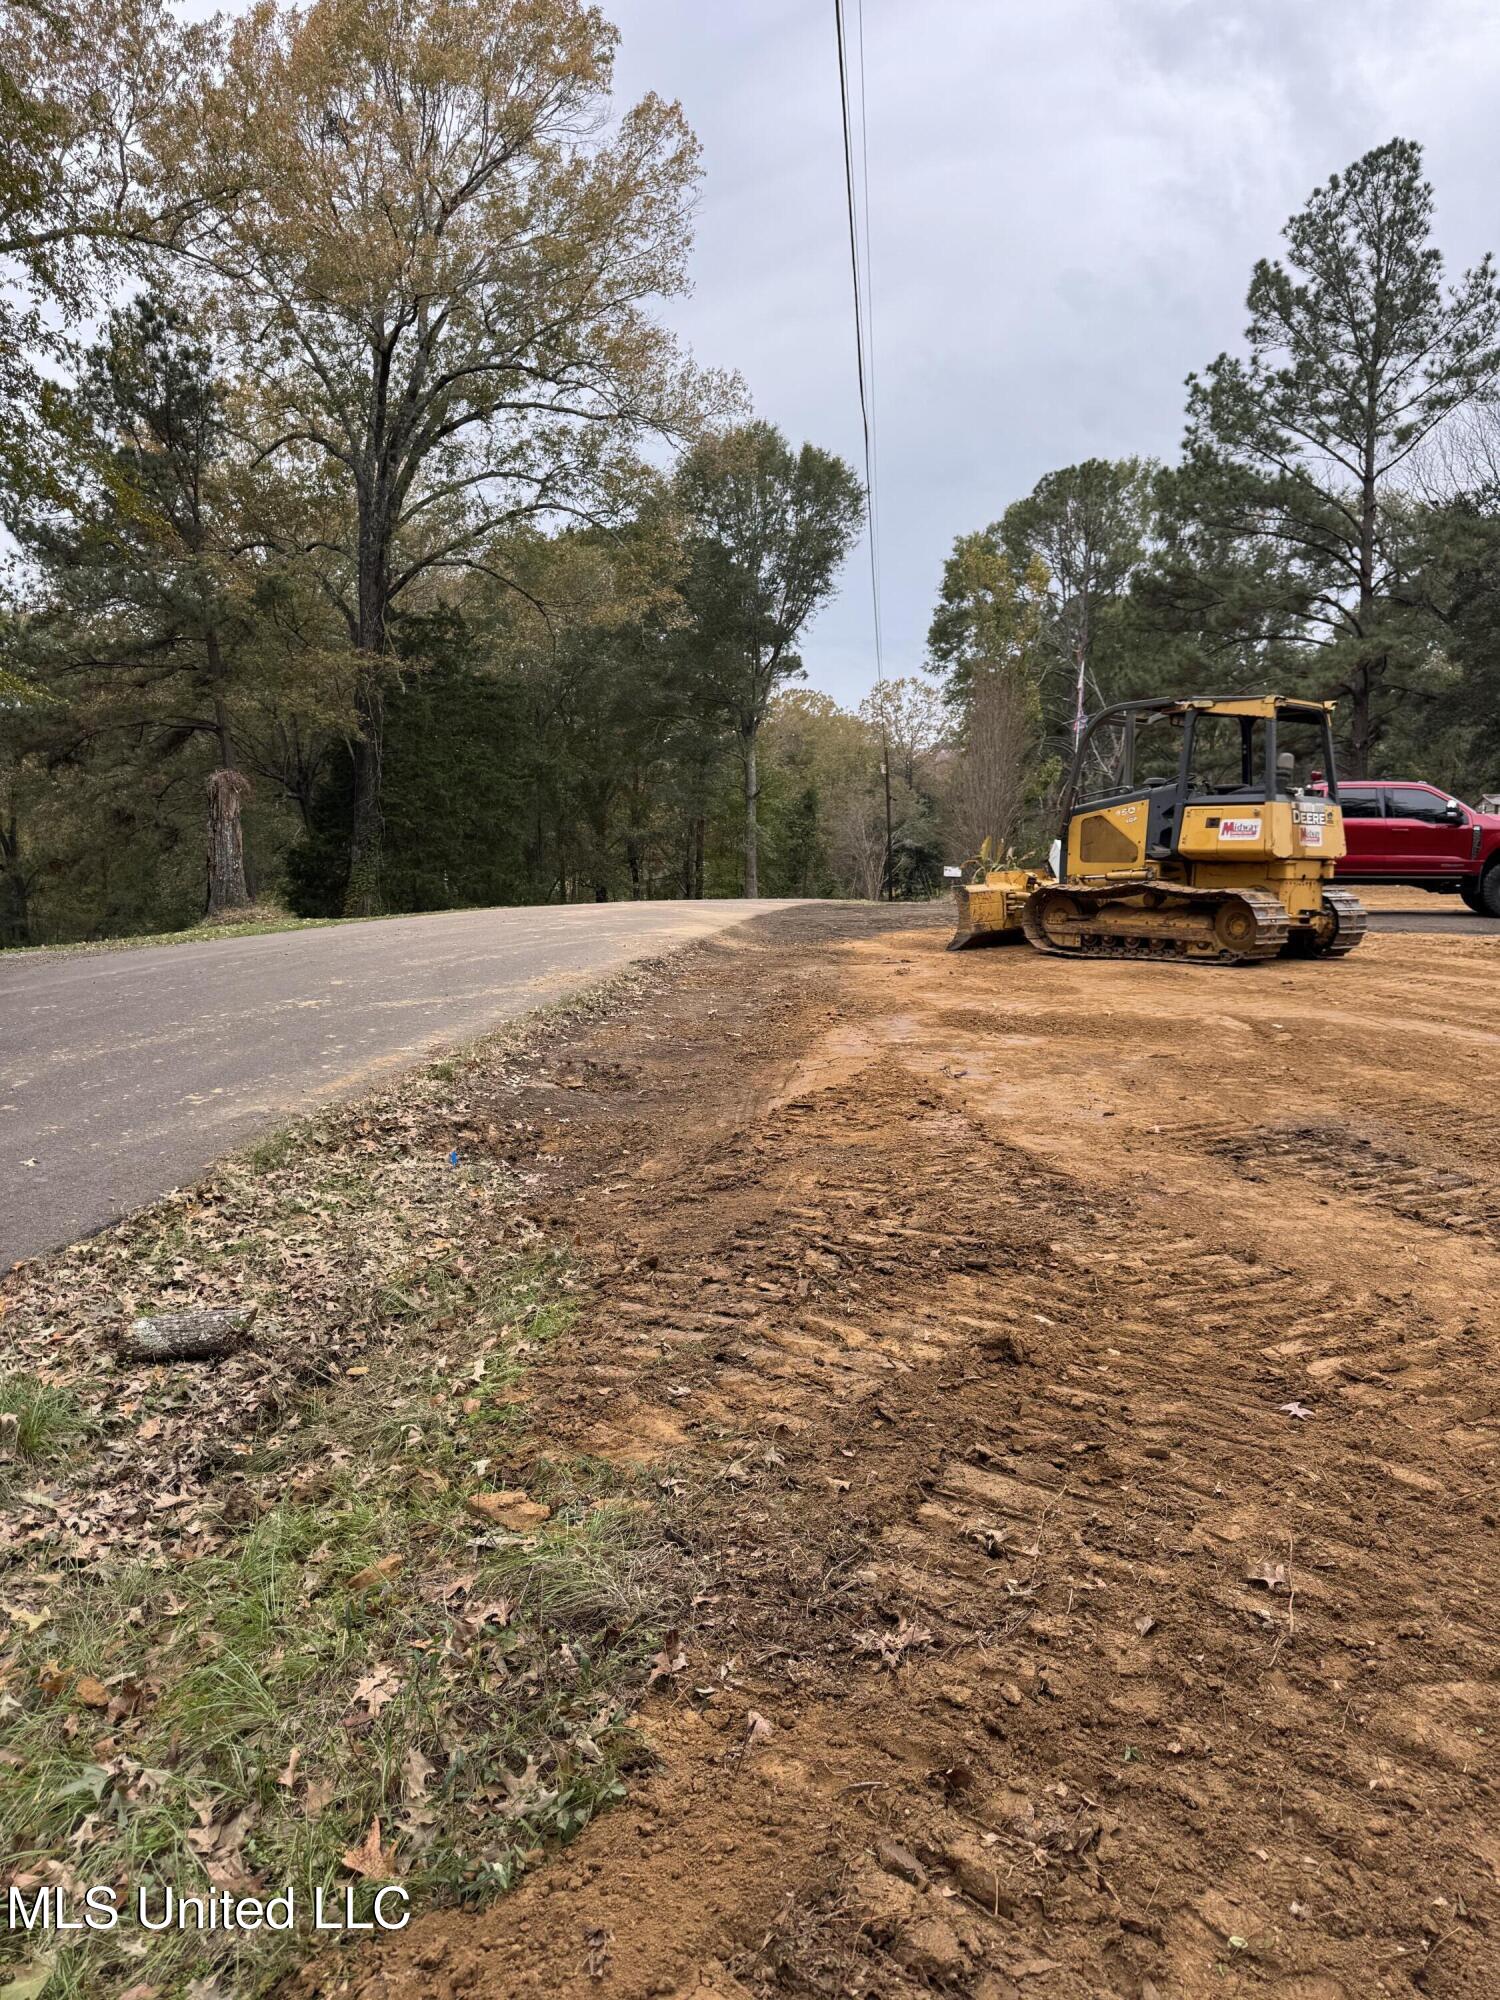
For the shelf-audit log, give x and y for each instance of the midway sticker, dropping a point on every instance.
(1239, 829)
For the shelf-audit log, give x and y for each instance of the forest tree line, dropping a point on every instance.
(1332, 527)
(373, 543)
(373, 546)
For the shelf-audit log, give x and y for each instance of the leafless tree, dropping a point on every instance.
(988, 790)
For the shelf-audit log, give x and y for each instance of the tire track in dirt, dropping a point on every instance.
(1041, 1645)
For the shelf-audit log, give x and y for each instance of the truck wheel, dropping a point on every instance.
(1470, 891)
(1487, 904)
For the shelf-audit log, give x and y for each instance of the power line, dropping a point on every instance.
(872, 470)
(863, 342)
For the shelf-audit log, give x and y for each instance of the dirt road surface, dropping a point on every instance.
(1085, 1380)
(123, 1074)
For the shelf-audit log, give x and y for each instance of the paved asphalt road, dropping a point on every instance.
(124, 1073)
(1449, 916)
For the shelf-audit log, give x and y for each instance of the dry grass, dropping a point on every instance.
(255, 921)
(37, 1418)
(250, 1610)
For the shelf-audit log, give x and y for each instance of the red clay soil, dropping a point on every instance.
(1084, 1380)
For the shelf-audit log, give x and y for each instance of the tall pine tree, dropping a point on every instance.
(1285, 515)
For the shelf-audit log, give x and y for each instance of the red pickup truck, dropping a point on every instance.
(1413, 833)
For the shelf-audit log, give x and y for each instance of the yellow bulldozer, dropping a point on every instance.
(1201, 829)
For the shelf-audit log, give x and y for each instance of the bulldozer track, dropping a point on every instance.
(1351, 920)
(1375, 1172)
(1048, 1367)
(1269, 939)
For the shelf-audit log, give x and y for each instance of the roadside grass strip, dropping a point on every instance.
(258, 921)
(321, 1617)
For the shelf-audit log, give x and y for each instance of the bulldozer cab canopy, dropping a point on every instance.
(1209, 748)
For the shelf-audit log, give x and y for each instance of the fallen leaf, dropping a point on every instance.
(1272, 1575)
(598, 1943)
(991, 1539)
(317, 1796)
(416, 1774)
(33, 1978)
(287, 1776)
(370, 1859)
(1294, 1409)
(378, 1687)
(511, 1509)
(220, 1846)
(376, 1573)
(757, 1729)
(128, 1699)
(667, 1662)
(892, 1647)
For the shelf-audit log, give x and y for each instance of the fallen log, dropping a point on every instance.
(205, 1335)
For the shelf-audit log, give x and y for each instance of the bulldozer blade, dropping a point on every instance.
(989, 912)
(966, 938)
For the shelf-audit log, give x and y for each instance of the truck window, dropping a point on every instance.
(1408, 802)
(1360, 802)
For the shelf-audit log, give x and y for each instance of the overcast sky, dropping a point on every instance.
(1066, 202)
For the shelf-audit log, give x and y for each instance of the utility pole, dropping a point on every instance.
(885, 773)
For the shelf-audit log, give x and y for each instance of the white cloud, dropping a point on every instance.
(1066, 203)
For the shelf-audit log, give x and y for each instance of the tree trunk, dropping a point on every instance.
(1360, 721)
(1367, 669)
(15, 913)
(203, 1335)
(228, 878)
(362, 893)
(752, 831)
(1080, 691)
(227, 791)
(699, 835)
